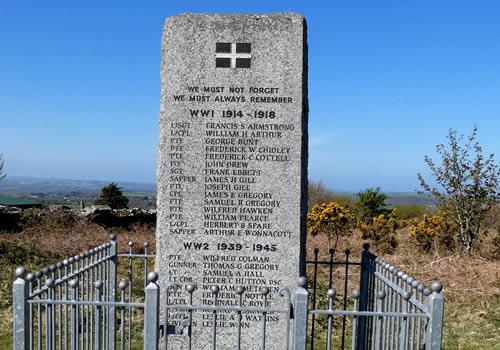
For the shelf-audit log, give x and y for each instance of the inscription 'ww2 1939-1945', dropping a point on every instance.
(232, 163)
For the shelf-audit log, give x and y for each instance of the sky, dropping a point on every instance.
(79, 85)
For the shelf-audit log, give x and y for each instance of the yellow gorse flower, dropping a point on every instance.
(330, 218)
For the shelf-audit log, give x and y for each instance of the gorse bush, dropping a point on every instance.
(434, 232)
(330, 218)
(381, 230)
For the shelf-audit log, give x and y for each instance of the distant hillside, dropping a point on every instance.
(27, 185)
(401, 198)
(16, 190)
(398, 198)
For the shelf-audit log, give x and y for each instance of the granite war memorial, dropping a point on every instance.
(232, 170)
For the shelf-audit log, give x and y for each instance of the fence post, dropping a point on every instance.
(20, 293)
(300, 315)
(364, 289)
(151, 313)
(435, 305)
(113, 251)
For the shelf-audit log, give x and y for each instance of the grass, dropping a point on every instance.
(474, 325)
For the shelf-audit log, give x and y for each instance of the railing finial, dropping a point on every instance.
(381, 294)
(302, 282)
(437, 286)
(73, 283)
(356, 294)
(123, 284)
(152, 277)
(21, 272)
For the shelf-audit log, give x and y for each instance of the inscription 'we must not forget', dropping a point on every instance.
(232, 170)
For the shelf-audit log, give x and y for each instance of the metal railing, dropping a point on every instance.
(77, 304)
(389, 310)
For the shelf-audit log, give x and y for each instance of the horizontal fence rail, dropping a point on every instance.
(105, 299)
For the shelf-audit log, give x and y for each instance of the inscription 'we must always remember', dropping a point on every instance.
(233, 159)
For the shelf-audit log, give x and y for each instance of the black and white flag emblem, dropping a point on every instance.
(233, 55)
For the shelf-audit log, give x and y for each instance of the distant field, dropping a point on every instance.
(11, 200)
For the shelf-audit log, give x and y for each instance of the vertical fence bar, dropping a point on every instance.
(151, 313)
(122, 286)
(315, 277)
(265, 293)
(364, 285)
(93, 296)
(412, 283)
(111, 285)
(346, 278)
(190, 289)
(300, 315)
(49, 316)
(74, 314)
(20, 292)
(30, 278)
(98, 317)
(389, 305)
(66, 316)
(239, 290)
(331, 299)
(86, 290)
(420, 289)
(131, 286)
(378, 325)
(215, 293)
(355, 296)
(59, 266)
(435, 305)
(403, 336)
(146, 251)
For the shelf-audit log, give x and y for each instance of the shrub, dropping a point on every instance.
(371, 203)
(434, 231)
(381, 230)
(467, 185)
(330, 218)
(112, 196)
